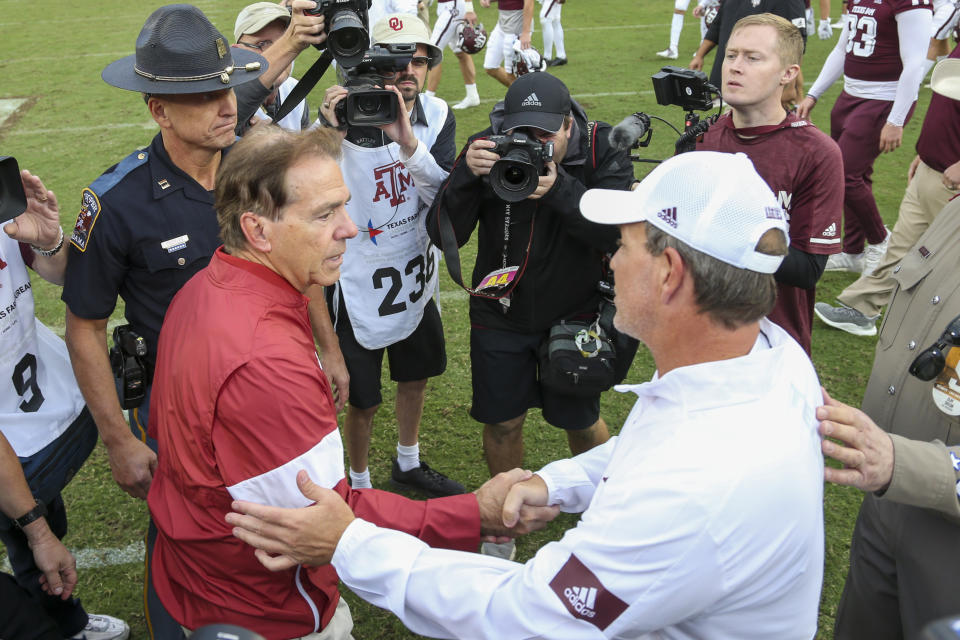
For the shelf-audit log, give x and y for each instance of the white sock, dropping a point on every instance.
(547, 26)
(430, 94)
(558, 39)
(472, 91)
(676, 26)
(360, 480)
(408, 457)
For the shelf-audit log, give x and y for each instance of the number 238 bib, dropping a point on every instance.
(389, 271)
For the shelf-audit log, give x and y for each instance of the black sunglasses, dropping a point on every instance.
(931, 361)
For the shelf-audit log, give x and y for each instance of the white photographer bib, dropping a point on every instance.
(389, 271)
(39, 397)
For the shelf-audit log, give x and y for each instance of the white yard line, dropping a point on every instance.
(99, 558)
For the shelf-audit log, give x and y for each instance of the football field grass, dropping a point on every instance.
(65, 124)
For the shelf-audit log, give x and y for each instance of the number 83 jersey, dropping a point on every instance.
(389, 271)
(39, 397)
(873, 44)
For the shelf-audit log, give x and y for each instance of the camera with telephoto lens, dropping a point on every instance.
(13, 201)
(522, 161)
(128, 360)
(345, 25)
(367, 102)
(685, 88)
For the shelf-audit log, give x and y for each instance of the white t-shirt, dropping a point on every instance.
(702, 519)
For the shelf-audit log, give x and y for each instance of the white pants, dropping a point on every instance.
(449, 16)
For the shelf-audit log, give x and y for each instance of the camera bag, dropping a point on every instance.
(577, 358)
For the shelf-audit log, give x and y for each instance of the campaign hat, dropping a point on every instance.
(180, 51)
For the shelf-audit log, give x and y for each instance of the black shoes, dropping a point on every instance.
(425, 479)
(556, 62)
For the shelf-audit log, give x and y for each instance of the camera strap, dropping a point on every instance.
(305, 85)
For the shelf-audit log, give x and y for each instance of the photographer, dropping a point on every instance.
(798, 161)
(46, 431)
(556, 257)
(384, 298)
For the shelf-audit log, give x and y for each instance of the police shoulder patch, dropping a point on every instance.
(89, 210)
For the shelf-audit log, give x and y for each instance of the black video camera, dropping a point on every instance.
(127, 359)
(367, 102)
(522, 161)
(684, 88)
(13, 201)
(345, 24)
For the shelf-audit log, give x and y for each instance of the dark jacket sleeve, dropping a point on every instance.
(444, 149)
(614, 170)
(801, 269)
(250, 95)
(459, 199)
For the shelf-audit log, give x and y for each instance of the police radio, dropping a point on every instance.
(127, 359)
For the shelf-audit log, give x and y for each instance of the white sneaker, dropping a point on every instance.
(466, 103)
(852, 262)
(874, 254)
(670, 53)
(100, 627)
(507, 550)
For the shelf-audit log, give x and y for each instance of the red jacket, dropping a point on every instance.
(240, 404)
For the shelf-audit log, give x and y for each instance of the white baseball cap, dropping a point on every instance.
(714, 202)
(946, 78)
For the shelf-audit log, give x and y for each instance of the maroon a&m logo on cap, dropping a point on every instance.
(584, 595)
(396, 24)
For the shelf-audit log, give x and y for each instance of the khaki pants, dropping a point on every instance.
(339, 627)
(923, 200)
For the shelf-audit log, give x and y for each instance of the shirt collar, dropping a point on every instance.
(418, 114)
(254, 277)
(167, 178)
(724, 382)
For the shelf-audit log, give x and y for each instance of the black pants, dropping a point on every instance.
(22, 616)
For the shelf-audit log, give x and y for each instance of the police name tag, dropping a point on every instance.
(175, 244)
(498, 279)
(946, 390)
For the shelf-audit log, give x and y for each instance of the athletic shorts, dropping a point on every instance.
(449, 16)
(419, 356)
(505, 367)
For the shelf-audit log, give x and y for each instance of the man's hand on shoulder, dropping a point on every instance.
(284, 538)
(865, 449)
(479, 157)
(805, 107)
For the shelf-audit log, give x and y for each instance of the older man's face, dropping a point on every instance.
(635, 276)
(308, 241)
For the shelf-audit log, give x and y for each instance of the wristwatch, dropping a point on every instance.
(38, 511)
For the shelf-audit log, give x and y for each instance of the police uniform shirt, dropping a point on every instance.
(145, 227)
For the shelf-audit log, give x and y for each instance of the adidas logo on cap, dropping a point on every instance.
(531, 101)
(668, 215)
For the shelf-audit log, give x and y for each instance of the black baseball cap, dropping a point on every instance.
(536, 100)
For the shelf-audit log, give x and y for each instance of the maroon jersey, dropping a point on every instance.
(803, 166)
(510, 5)
(939, 142)
(873, 46)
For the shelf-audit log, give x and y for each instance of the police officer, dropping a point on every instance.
(148, 224)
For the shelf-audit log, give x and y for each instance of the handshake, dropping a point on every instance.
(511, 503)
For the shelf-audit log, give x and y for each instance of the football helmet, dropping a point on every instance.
(527, 60)
(471, 38)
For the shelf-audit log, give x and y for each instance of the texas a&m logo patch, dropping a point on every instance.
(584, 596)
(89, 210)
(392, 181)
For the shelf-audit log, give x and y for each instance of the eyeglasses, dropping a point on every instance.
(417, 61)
(932, 360)
(259, 46)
